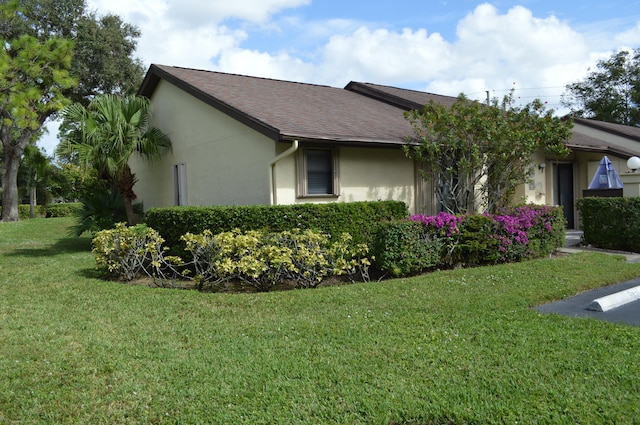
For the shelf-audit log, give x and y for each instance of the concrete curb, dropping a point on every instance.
(616, 299)
(631, 257)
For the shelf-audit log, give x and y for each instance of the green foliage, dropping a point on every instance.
(24, 211)
(127, 252)
(106, 134)
(103, 57)
(68, 181)
(474, 243)
(258, 259)
(611, 223)
(264, 260)
(461, 144)
(611, 93)
(34, 75)
(446, 240)
(359, 219)
(68, 209)
(54, 52)
(101, 209)
(403, 248)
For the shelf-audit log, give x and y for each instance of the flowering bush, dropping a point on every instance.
(528, 231)
(514, 234)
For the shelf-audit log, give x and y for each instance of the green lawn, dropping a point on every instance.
(460, 346)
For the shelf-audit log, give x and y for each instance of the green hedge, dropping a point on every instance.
(403, 248)
(611, 223)
(51, 210)
(24, 211)
(360, 219)
(70, 209)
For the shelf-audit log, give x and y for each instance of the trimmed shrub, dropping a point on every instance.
(404, 248)
(258, 259)
(359, 219)
(611, 223)
(124, 251)
(69, 209)
(263, 260)
(24, 211)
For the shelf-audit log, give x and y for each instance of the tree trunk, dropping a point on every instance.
(10, 185)
(125, 182)
(32, 202)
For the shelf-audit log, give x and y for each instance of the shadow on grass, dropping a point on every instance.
(66, 245)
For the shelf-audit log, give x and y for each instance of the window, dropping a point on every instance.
(317, 172)
(180, 184)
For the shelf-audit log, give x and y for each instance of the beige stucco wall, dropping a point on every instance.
(536, 190)
(376, 174)
(210, 144)
(365, 174)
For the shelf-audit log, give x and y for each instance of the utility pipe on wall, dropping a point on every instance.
(272, 171)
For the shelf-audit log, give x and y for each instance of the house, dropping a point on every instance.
(240, 140)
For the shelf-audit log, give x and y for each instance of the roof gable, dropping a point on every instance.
(285, 110)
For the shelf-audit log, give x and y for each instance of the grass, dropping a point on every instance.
(459, 346)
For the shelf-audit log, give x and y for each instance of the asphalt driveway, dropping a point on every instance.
(576, 306)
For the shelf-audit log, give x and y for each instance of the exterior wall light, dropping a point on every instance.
(542, 166)
(633, 163)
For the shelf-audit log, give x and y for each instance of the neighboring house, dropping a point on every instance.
(240, 140)
(563, 181)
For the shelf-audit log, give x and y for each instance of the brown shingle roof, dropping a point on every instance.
(288, 110)
(583, 142)
(361, 112)
(617, 129)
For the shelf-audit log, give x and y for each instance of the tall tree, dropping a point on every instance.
(33, 77)
(471, 146)
(106, 134)
(611, 93)
(104, 46)
(38, 71)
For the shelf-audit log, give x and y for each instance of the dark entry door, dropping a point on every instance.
(565, 192)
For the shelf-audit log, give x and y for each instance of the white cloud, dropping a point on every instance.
(382, 55)
(261, 64)
(202, 12)
(629, 38)
(492, 51)
(189, 33)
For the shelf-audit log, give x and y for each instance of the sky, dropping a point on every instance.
(534, 47)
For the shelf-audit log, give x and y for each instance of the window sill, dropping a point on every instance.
(321, 196)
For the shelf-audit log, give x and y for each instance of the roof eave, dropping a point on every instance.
(344, 140)
(595, 125)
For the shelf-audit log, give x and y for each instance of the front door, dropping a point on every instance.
(564, 189)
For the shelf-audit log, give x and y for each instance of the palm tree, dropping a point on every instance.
(106, 134)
